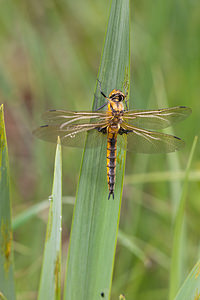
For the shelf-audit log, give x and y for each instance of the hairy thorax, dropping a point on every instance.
(116, 110)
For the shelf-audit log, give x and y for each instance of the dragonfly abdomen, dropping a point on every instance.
(111, 160)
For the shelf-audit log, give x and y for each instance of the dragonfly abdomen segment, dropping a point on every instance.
(111, 160)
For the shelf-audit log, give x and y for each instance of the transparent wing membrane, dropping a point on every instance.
(68, 117)
(145, 141)
(157, 119)
(73, 136)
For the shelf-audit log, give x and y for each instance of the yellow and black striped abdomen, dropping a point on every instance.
(111, 159)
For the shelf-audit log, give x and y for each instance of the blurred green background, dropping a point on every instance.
(49, 56)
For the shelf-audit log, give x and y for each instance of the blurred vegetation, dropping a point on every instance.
(50, 52)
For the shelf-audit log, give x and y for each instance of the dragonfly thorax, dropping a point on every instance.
(116, 96)
(117, 108)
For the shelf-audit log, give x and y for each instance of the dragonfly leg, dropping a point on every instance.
(101, 106)
(124, 131)
(125, 87)
(102, 129)
(126, 104)
(102, 93)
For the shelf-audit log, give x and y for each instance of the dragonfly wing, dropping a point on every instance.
(58, 117)
(145, 141)
(71, 136)
(72, 127)
(156, 119)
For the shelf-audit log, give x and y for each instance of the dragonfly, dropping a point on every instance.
(137, 126)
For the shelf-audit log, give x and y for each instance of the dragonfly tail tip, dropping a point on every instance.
(111, 193)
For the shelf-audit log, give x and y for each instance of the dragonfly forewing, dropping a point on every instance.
(71, 136)
(157, 119)
(57, 117)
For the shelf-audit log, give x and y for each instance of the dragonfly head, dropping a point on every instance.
(117, 96)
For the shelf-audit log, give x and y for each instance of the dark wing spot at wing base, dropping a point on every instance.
(44, 126)
(177, 138)
(52, 109)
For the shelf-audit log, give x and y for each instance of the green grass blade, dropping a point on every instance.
(178, 227)
(137, 246)
(191, 287)
(173, 160)
(50, 276)
(34, 210)
(95, 221)
(128, 242)
(7, 286)
(163, 176)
